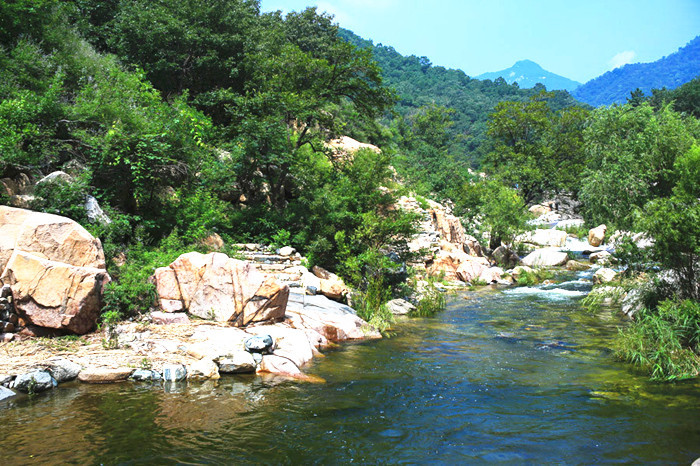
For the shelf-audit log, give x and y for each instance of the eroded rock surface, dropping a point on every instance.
(216, 287)
(55, 267)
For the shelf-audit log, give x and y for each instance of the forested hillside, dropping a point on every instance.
(418, 83)
(669, 72)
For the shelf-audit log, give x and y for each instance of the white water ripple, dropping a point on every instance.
(553, 294)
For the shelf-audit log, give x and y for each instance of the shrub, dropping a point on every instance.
(371, 304)
(432, 301)
(535, 277)
(130, 291)
(664, 342)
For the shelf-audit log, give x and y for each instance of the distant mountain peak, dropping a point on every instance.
(527, 74)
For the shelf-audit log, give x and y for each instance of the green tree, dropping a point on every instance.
(630, 153)
(674, 224)
(535, 149)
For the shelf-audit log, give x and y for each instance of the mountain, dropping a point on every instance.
(417, 83)
(527, 73)
(669, 72)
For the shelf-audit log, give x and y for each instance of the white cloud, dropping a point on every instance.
(622, 59)
(340, 16)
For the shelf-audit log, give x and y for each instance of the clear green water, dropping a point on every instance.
(518, 377)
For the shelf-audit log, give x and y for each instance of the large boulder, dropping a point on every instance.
(330, 285)
(455, 264)
(504, 256)
(449, 226)
(597, 235)
(547, 257)
(55, 267)
(216, 287)
(604, 275)
(400, 307)
(544, 237)
(327, 321)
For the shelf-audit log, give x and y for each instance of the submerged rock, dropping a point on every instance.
(145, 375)
(576, 266)
(279, 365)
(34, 382)
(203, 369)
(104, 374)
(6, 393)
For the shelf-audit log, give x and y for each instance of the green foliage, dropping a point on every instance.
(131, 292)
(281, 239)
(670, 71)
(535, 277)
(61, 197)
(371, 303)
(674, 223)
(535, 149)
(418, 83)
(630, 160)
(500, 209)
(664, 342)
(432, 300)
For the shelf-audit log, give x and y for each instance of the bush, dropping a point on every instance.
(432, 301)
(371, 304)
(664, 342)
(535, 277)
(130, 292)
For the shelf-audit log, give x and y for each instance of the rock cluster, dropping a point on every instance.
(55, 267)
(9, 320)
(444, 246)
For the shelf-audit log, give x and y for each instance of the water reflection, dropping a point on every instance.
(503, 377)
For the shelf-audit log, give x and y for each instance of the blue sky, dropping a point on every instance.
(578, 39)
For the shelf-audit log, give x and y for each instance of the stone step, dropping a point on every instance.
(271, 267)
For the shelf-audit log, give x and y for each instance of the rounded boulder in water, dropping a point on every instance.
(259, 344)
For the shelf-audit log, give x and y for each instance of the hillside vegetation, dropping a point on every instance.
(668, 72)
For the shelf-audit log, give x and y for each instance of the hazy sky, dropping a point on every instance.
(578, 39)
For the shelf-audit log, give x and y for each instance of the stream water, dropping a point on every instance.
(516, 376)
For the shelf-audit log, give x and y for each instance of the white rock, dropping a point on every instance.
(548, 257)
(604, 276)
(237, 363)
(542, 237)
(286, 251)
(203, 369)
(400, 307)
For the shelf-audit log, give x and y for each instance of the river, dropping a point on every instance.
(516, 376)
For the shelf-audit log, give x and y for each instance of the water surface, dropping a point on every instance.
(516, 376)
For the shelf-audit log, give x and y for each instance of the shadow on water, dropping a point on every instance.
(516, 376)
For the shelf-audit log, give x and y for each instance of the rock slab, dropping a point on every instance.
(216, 287)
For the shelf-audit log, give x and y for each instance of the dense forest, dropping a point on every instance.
(667, 72)
(187, 118)
(419, 84)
